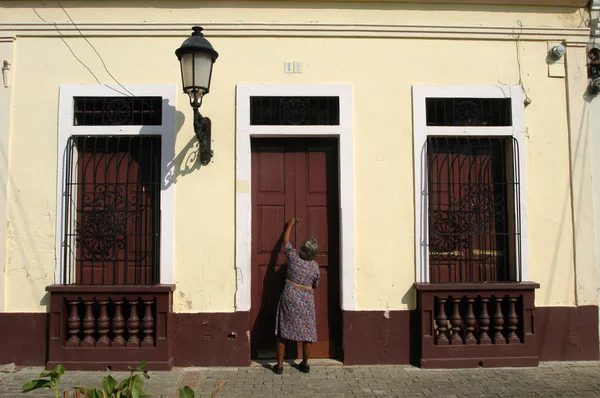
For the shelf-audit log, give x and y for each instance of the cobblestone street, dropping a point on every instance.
(574, 379)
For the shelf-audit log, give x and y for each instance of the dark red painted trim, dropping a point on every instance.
(110, 288)
(24, 338)
(211, 339)
(377, 337)
(158, 355)
(470, 287)
(567, 333)
(370, 337)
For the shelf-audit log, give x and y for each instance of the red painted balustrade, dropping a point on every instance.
(100, 327)
(479, 324)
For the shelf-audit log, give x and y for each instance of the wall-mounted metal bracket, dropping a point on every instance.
(202, 129)
(5, 70)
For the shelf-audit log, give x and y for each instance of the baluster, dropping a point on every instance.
(89, 324)
(133, 325)
(484, 322)
(469, 320)
(455, 321)
(148, 325)
(103, 325)
(73, 323)
(442, 323)
(498, 323)
(118, 323)
(512, 321)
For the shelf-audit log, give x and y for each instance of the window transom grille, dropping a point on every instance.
(277, 111)
(116, 111)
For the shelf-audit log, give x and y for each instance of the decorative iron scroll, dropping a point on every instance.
(478, 210)
(116, 111)
(294, 111)
(468, 111)
(104, 228)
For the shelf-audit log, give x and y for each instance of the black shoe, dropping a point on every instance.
(278, 370)
(304, 368)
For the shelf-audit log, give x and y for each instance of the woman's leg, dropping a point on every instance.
(306, 346)
(280, 351)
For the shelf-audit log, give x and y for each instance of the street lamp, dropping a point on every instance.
(196, 57)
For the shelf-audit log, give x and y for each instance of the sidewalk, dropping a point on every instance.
(550, 379)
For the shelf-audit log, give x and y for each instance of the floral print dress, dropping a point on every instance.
(296, 317)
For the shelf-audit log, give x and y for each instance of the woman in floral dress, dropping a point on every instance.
(296, 318)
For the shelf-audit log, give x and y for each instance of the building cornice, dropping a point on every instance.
(572, 35)
(556, 3)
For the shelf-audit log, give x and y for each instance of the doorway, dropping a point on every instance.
(294, 177)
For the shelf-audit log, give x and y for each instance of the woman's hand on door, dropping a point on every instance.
(288, 230)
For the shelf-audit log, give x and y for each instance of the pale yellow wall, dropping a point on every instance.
(381, 71)
(292, 11)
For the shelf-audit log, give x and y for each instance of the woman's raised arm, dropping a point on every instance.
(288, 230)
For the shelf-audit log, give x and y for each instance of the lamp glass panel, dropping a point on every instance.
(196, 70)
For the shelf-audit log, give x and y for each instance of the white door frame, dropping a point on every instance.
(243, 216)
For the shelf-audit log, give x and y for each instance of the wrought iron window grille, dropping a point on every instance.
(115, 111)
(296, 111)
(473, 209)
(112, 210)
(468, 111)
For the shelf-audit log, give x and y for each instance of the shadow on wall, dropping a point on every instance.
(187, 160)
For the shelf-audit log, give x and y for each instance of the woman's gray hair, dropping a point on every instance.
(309, 249)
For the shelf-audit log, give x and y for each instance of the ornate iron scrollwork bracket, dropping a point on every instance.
(202, 128)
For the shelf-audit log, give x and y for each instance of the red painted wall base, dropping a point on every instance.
(369, 337)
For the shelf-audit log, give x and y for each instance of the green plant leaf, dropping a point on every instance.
(146, 375)
(35, 384)
(140, 367)
(109, 384)
(98, 394)
(137, 387)
(55, 373)
(91, 393)
(124, 384)
(186, 392)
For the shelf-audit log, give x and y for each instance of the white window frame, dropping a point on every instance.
(166, 130)
(421, 131)
(243, 218)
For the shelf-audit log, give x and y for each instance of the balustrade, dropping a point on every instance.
(97, 327)
(467, 321)
(97, 322)
(470, 325)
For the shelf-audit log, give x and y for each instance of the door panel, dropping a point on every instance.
(294, 178)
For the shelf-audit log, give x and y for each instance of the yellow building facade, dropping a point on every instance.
(382, 64)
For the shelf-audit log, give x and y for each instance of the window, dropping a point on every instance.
(472, 210)
(112, 215)
(277, 111)
(117, 111)
(468, 111)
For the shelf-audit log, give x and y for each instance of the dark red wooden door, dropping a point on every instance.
(294, 178)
